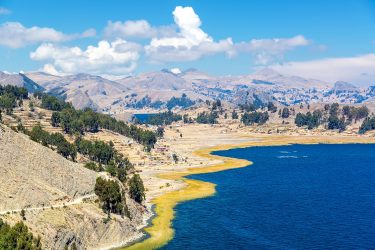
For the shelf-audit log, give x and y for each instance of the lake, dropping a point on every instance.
(142, 118)
(292, 197)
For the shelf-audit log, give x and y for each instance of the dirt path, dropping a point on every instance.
(70, 203)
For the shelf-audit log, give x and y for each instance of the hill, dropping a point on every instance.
(20, 80)
(55, 197)
(33, 175)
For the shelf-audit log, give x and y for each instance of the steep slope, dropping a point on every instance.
(33, 175)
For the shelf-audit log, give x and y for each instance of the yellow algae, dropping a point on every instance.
(161, 232)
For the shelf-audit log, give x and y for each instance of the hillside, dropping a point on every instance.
(33, 175)
(58, 196)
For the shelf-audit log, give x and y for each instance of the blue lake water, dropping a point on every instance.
(292, 197)
(143, 117)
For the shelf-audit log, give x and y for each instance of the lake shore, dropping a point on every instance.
(160, 231)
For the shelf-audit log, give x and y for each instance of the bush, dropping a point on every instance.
(92, 166)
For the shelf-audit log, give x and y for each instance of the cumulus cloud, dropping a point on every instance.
(189, 43)
(270, 50)
(116, 58)
(359, 69)
(4, 11)
(15, 35)
(186, 41)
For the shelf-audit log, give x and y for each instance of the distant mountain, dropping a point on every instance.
(268, 76)
(161, 80)
(83, 90)
(20, 80)
(155, 89)
(342, 87)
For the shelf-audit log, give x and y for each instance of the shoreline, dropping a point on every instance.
(160, 230)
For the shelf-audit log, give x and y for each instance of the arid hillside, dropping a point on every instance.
(33, 175)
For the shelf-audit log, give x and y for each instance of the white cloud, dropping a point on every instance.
(4, 11)
(117, 58)
(136, 29)
(50, 69)
(15, 35)
(139, 28)
(270, 50)
(359, 69)
(189, 43)
(175, 71)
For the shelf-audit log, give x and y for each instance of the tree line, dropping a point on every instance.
(250, 118)
(56, 141)
(104, 156)
(207, 117)
(77, 122)
(335, 118)
(164, 118)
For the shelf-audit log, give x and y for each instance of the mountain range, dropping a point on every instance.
(155, 89)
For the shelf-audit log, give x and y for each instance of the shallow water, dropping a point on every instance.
(292, 197)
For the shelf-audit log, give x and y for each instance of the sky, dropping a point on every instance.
(328, 40)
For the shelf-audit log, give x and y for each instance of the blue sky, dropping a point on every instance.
(321, 39)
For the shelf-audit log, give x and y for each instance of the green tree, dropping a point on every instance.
(55, 119)
(18, 237)
(367, 125)
(335, 123)
(271, 107)
(249, 118)
(110, 195)
(160, 131)
(23, 214)
(31, 106)
(285, 113)
(234, 115)
(175, 158)
(8, 102)
(136, 188)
